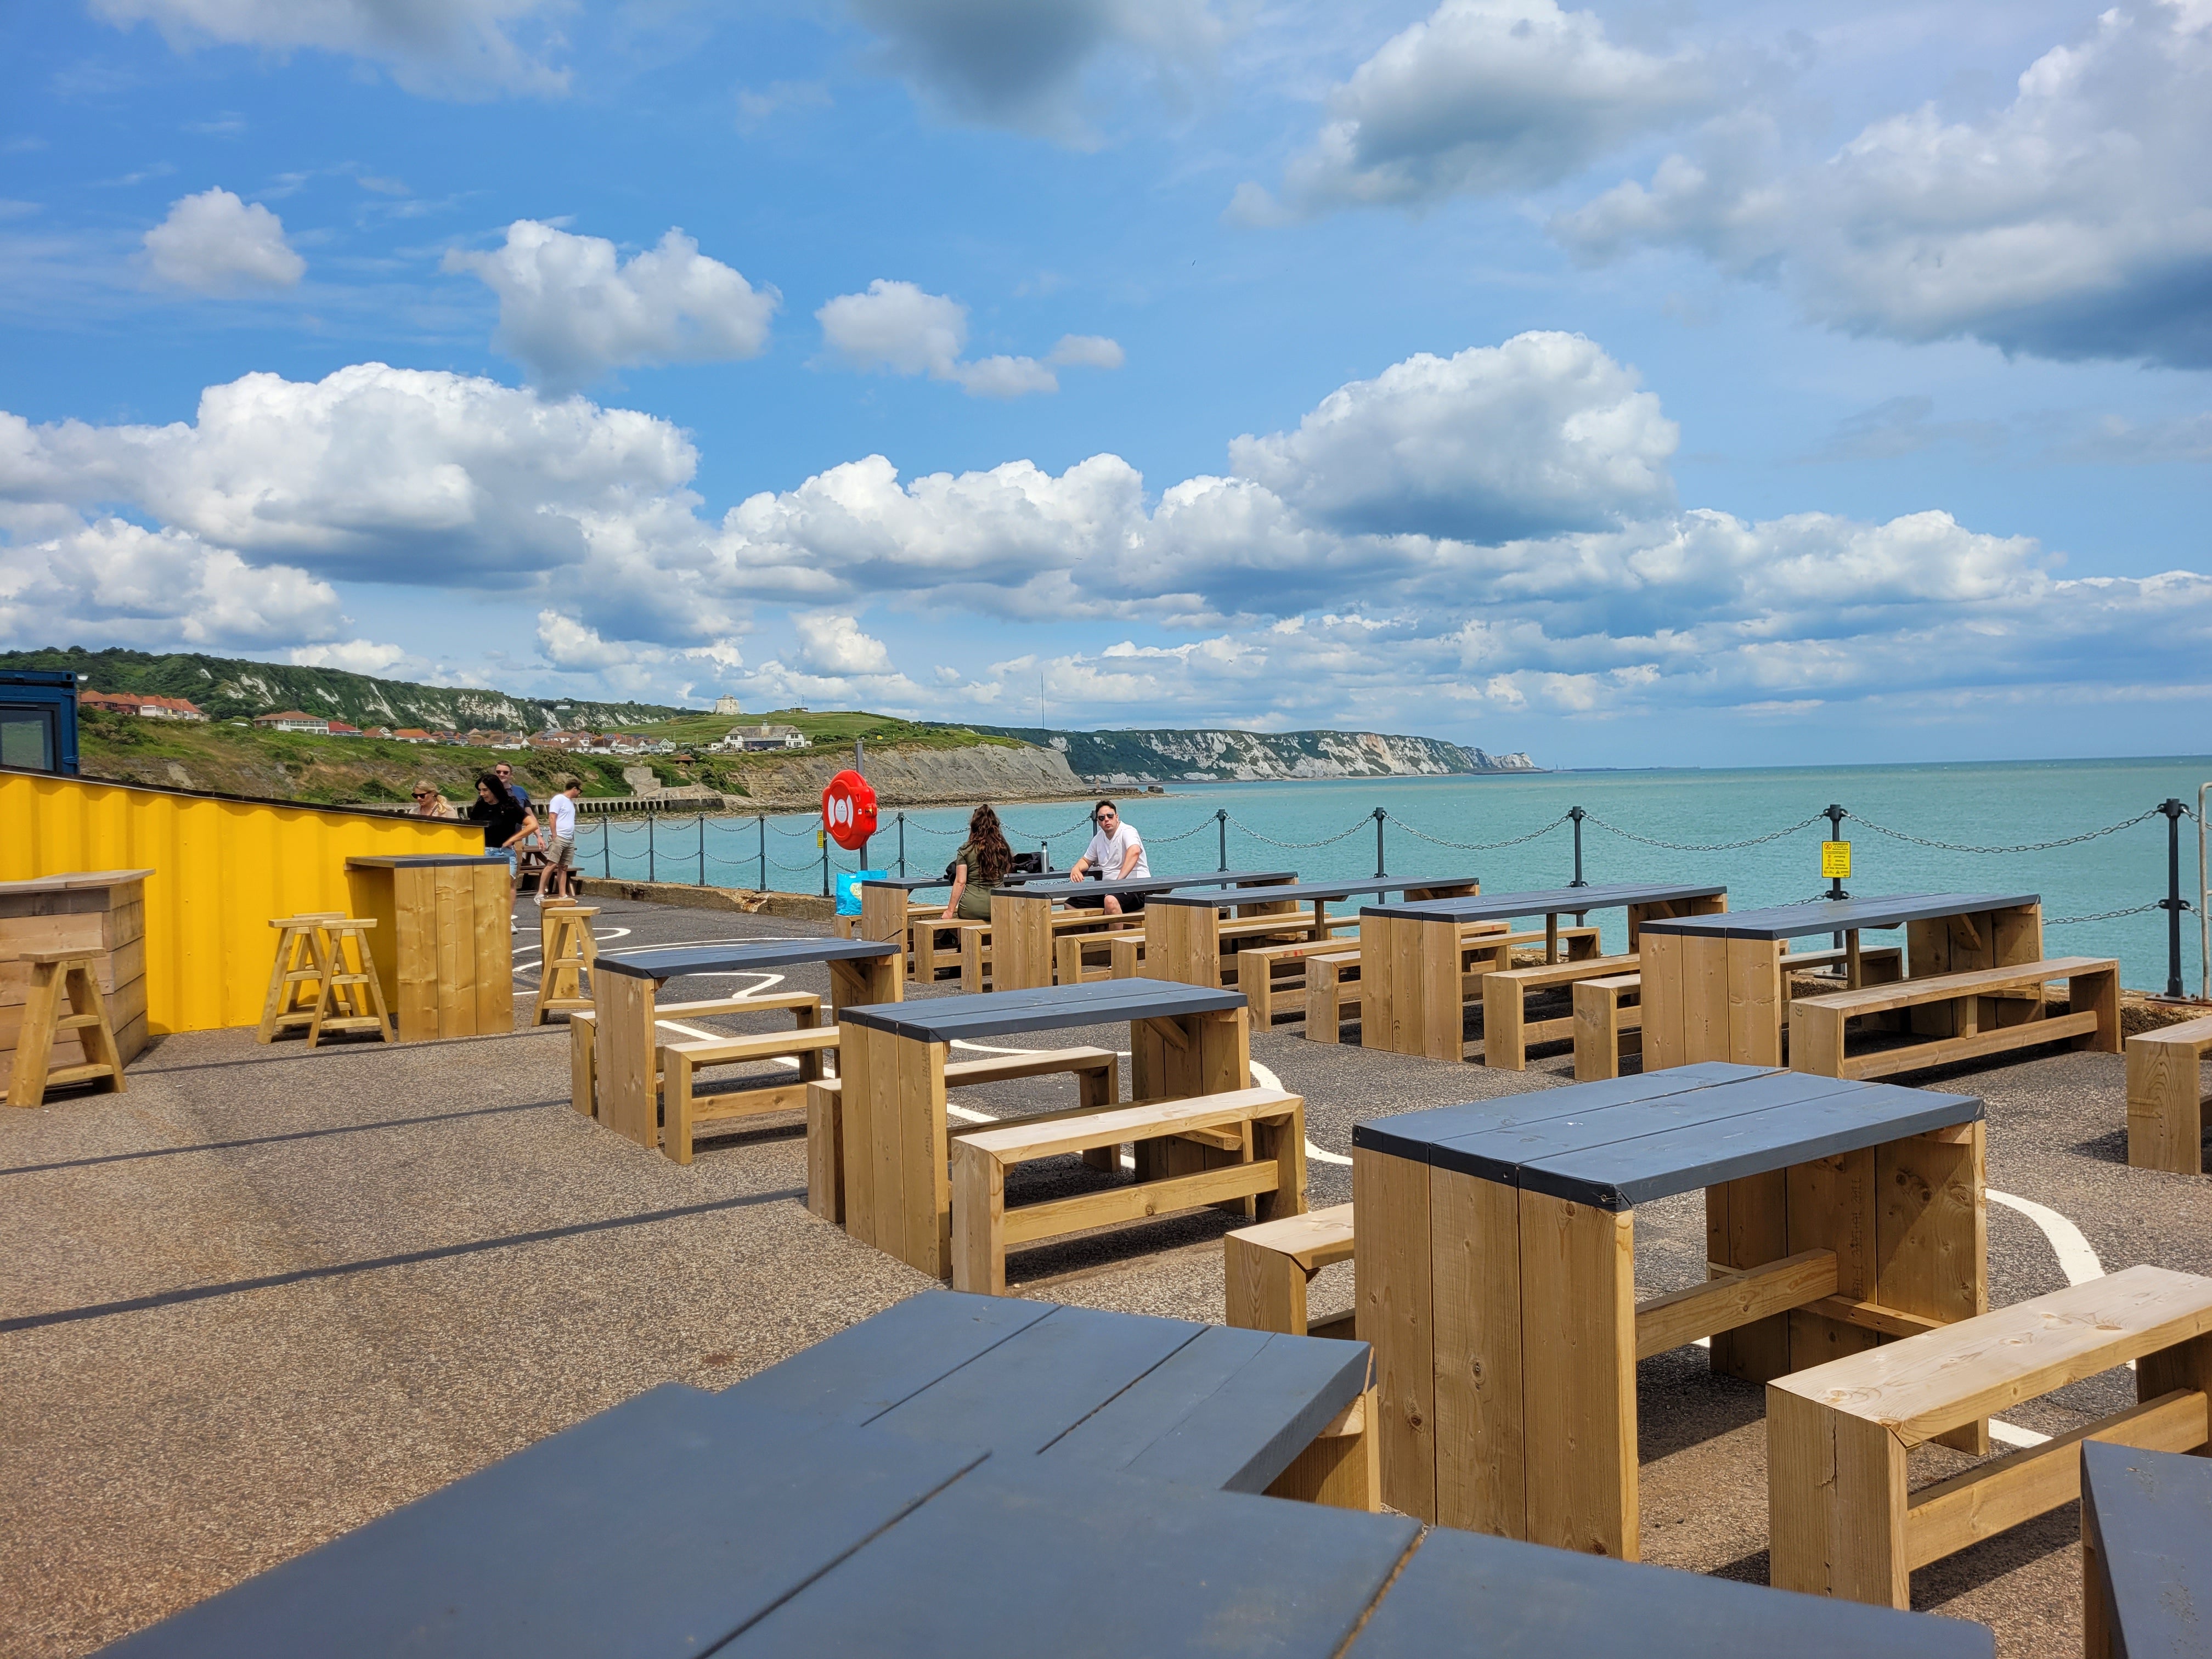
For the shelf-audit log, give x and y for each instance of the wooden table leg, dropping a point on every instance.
(1931, 1236)
(1390, 1250)
(1474, 1272)
(1551, 938)
(898, 1184)
(1747, 1226)
(1578, 1375)
(1377, 981)
(1021, 942)
(628, 1103)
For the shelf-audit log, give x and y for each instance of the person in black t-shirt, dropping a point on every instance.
(506, 822)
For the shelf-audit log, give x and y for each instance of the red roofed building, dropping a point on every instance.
(145, 704)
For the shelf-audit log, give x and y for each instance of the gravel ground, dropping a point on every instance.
(269, 1295)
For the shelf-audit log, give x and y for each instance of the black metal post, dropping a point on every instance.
(1380, 872)
(2173, 904)
(1836, 815)
(761, 824)
(1576, 813)
(703, 849)
(825, 863)
(607, 847)
(901, 822)
(1221, 823)
(651, 872)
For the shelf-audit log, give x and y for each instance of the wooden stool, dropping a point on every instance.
(53, 975)
(300, 950)
(345, 996)
(570, 952)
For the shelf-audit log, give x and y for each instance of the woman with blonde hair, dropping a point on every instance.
(981, 863)
(428, 803)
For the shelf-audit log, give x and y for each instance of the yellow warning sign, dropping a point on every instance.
(821, 839)
(1836, 860)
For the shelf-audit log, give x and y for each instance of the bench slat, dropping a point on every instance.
(1317, 1239)
(1941, 1051)
(1940, 988)
(1022, 1143)
(1979, 1367)
(1166, 1196)
(754, 1045)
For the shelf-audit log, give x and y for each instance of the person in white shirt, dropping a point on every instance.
(1117, 852)
(561, 858)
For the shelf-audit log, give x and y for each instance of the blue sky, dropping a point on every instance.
(1650, 384)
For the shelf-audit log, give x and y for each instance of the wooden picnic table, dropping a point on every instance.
(624, 988)
(965, 1475)
(886, 902)
(1412, 998)
(1183, 1041)
(1024, 918)
(1183, 938)
(2145, 1552)
(1715, 988)
(1496, 1270)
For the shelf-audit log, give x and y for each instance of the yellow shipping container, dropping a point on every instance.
(221, 867)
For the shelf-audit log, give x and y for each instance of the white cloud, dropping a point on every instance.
(355, 656)
(1088, 351)
(831, 643)
(412, 477)
(2074, 222)
(455, 47)
(1491, 532)
(1480, 97)
(896, 328)
(118, 583)
(213, 243)
(1016, 64)
(569, 311)
(1544, 433)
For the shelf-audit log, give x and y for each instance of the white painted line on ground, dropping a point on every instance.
(2011, 1434)
(2075, 1258)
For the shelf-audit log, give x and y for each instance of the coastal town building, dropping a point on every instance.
(765, 736)
(411, 734)
(145, 705)
(293, 719)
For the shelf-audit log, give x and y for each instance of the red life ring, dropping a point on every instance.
(848, 809)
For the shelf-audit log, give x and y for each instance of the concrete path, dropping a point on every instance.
(269, 1294)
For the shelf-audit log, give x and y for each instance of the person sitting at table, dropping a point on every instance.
(1117, 852)
(981, 863)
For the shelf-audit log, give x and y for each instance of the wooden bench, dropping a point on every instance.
(1097, 1078)
(1508, 1033)
(1332, 993)
(1094, 956)
(1993, 1009)
(584, 1045)
(1841, 1519)
(2166, 1097)
(1608, 1024)
(1265, 971)
(2145, 1552)
(684, 1109)
(1265, 1270)
(1270, 1168)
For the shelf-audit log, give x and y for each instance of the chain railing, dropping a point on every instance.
(647, 837)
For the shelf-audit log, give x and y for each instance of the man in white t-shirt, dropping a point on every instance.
(561, 858)
(1117, 852)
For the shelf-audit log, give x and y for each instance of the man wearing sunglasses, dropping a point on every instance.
(1117, 852)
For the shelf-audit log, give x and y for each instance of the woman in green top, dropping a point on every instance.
(981, 863)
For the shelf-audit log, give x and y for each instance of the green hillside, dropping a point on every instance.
(230, 687)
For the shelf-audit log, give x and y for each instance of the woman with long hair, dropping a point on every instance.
(981, 863)
(507, 823)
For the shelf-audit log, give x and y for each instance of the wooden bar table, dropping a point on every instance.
(1496, 1270)
(1715, 987)
(438, 943)
(1183, 1041)
(625, 986)
(1413, 997)
(101, 913)
(1025, 918)
(1182, 929)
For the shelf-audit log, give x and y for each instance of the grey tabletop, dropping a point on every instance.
(1629, 1140)
(1782, 922)
(421, 861)
(1545, 902)
(1304, 892)
(2151, 1516)
(1040, 1008)
(915, 884)
(741, 956)
(1144, 886)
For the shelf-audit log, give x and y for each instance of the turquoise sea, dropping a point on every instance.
(2007, 807)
